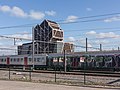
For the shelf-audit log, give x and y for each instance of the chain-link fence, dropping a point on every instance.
(72, 78)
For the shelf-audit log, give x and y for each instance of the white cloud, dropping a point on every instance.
(14, 11)
(20, 36)
(89, 9)
(24, 36)
(18, 12)
(101, 41)
(71, 39)
(112, 19)
(8, 49)
(89, 45)
(83, 42)
(71, 18)
(36, 15)
(50, 13)
(108, 35)
(91, 33)
(103, 35)
(5, 8)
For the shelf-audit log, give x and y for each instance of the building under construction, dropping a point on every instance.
(48, 38)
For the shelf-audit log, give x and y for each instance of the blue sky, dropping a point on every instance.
(20, 12)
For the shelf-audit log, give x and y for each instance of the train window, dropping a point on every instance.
(5, 60)
(38, 59)
(14, 59)
(18, 60)
(99, 58)
(35, 59)
(42, 58)
(1, 60)
(21, 59)
(11, 60)
(30, 60)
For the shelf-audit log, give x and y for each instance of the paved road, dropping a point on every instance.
(17, 85)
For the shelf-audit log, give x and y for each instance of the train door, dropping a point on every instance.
(69, 61)
(25, 61)
(8, 61)
(75, 61)
(99, 61)
(114, 61)
(55, 61)
(118, 61)
(90, 61)
(61, 61)
(50, 59)
(82, 61)
(108, 61)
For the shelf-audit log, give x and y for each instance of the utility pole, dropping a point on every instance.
(33, 46)
(118, 48)
(100, 47)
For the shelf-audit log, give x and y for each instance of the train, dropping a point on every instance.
(23, 61)
(107, 61)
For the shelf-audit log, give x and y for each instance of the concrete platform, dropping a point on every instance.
(18, 85)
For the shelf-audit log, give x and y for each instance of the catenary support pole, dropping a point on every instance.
(33, 46)
(86, 44)
(65, 61)
(85, 60)
(100, 47)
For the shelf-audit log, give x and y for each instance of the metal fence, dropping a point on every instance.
(72, 78)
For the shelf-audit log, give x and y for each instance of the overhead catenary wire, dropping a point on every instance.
(105, 28)
(93, 16)
(18, 26)
(15, 37)
(63, 21)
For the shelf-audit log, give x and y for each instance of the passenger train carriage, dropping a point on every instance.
(23, 60)
(77, 61)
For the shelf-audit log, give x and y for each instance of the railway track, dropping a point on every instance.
(103, 74)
